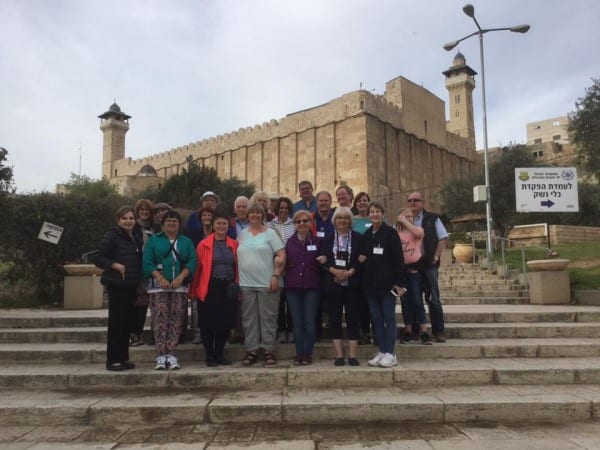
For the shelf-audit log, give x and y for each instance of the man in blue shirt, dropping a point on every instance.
(434, 244)
(307, 199)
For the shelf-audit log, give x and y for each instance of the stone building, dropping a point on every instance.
(549, 141)
(386, 145)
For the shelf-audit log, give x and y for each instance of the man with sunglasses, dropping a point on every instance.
(434, 244)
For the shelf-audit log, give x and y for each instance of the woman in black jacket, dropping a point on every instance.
(341, 288)
(120, 255)
(383, 282)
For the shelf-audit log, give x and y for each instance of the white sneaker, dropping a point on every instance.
(388, 360)
(173, 362)
(374, 362)
(161, 363)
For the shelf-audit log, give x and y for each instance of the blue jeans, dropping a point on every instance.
(383, 315)
(413, 310)
(432, 297)
(303, 305)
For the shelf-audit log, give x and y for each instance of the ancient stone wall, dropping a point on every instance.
(364, 140)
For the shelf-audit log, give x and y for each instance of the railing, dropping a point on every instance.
(504, 241)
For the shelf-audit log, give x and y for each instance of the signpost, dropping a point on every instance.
(50, 233)
(546, 189)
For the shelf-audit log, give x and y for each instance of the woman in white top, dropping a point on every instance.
(261, 259)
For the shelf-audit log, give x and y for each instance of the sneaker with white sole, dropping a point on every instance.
(374, 362)
(161, 363)
(173, 362)
(388, 360)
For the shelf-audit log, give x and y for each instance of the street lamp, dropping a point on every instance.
(469, 10)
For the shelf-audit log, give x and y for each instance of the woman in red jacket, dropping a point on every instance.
(217, 269)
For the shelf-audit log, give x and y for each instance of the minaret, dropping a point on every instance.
(114, 124)
(460, 82)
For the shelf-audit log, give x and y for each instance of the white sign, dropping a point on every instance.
(546, 189)
(50, 233)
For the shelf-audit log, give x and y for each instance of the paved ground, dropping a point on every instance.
(568, 436)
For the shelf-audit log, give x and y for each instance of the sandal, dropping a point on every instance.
(249, 359)
(270, 359)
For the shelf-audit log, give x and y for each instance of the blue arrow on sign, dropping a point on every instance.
(548, 203)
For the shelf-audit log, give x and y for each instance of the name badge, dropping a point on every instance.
(320, 234)
(340, 262)
(311, 248)
(378, 250)
(368, 225)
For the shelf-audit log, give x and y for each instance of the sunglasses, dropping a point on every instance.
(414, 200)
(302, 221)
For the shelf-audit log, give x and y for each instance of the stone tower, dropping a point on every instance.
(114, 124)
(460, 82)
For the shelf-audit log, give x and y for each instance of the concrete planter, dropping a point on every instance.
(83, 289)
(549, 282)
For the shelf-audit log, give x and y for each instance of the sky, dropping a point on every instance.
(187, 70)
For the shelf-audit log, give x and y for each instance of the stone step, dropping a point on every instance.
(492, 284)
(71, 354)
(303, 405)
(480, 291)
(509, 289)
(322, 373)
(455, 330)
(451, 299)
(472, 309)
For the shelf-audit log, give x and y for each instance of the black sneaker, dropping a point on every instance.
(426, 338)
(406, 338)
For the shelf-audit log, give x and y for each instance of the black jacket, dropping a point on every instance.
(117, 246)
(356, 245)
(381, 271)
(430, 241)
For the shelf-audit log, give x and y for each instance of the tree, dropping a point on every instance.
(84, 185)
(502, 183)
(457, 194)
(584, 130)
(6, 173)
(184, 190)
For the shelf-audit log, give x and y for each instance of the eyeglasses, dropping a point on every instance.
(414, 200)
(302, 221)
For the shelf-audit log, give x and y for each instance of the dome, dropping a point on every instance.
(459, 60)
(147, 170)
(114, 111)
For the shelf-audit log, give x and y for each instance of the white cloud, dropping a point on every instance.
(189, 70)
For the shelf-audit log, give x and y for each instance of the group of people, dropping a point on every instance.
(270, 272)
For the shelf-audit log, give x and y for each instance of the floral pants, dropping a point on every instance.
(167, 309)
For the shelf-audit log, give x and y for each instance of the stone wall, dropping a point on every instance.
(385, 145)
(564, 234)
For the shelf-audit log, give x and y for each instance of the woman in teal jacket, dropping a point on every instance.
(169, 262)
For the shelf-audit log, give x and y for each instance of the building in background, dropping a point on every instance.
(387, 145)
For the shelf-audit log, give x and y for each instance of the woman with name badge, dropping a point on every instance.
(340, 252)
(383, 282)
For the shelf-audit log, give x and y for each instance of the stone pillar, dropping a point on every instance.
(83, 292)
(549, 287)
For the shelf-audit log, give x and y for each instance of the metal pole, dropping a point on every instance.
(486, 168)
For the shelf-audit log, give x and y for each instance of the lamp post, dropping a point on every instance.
(469, 10)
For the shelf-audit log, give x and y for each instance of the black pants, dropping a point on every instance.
(338, 302)
(121, 304)
(214, 343)
(139, 319)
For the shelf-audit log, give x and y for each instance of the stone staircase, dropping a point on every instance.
(505, 361)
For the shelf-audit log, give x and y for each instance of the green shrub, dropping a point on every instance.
(38, 264)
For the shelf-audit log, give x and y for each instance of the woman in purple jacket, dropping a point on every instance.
(303, 285)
